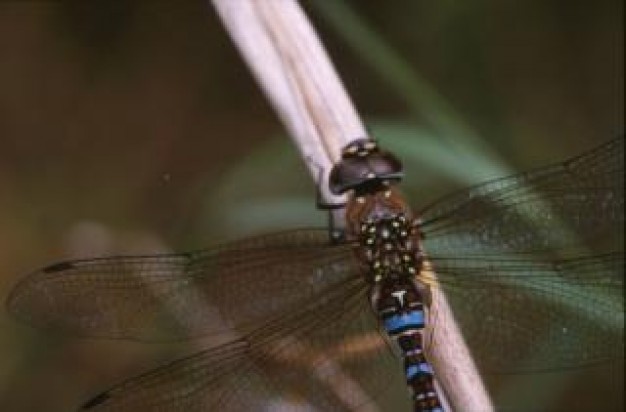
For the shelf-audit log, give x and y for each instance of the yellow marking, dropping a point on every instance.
(427, 275)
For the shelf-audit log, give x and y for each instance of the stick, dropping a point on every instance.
(281, 49)
(287, 59)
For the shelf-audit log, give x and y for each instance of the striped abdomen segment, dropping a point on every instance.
(400, 308)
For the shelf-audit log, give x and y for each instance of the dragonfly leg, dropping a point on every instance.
(336, 220)
(337, 226)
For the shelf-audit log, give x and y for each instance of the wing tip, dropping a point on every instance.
(58, 267)
(95, 401)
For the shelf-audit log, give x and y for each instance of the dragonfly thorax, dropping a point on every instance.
(389, 248)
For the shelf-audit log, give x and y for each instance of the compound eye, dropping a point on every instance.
(365, 169)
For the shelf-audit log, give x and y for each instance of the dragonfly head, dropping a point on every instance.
(365, 169)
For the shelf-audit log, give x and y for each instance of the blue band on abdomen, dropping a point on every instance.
(399, 323)
(414, 370)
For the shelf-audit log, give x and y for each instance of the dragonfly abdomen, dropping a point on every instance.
(399, 306)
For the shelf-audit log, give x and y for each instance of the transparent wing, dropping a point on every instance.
(231, 288)
(523, 315)
(328, 356)
(508, 256)
(571, 205)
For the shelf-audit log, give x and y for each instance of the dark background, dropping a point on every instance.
(135, 126)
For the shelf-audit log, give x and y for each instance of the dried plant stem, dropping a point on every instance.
(285, 55)
(283, 52)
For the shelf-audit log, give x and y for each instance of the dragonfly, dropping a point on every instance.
(531, 264)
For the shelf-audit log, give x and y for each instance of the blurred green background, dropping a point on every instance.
(132, 127)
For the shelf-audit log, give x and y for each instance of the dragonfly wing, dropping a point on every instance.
(577, 203)
(225, 290)
(523, 315)
(328, 354)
